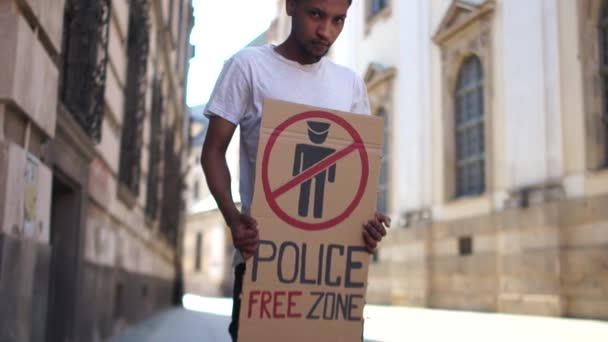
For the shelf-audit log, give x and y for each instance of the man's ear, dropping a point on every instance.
(290, 7)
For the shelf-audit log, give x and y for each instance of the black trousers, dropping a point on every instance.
(233, 328)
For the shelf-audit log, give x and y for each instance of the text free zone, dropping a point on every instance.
(293, 257)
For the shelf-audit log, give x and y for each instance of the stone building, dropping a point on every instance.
(93, 138)
(495, 162)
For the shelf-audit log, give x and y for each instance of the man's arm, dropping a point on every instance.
(213, 160)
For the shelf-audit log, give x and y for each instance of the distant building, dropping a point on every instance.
(92, 155)
(207, 242)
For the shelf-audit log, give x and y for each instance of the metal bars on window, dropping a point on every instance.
(154, 162)
(198, 252)
(84, 62)
(603, 47)
(469, 129)
(135, 93)
(172, 187)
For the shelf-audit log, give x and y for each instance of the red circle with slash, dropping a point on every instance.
(272, 195)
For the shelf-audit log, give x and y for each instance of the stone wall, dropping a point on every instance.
(546, 258)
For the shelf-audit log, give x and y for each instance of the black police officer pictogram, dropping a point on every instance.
(307, 155)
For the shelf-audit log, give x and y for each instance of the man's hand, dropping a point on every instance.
(374, 230)
(245, 235)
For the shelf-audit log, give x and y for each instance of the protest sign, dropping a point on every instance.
(316, 185)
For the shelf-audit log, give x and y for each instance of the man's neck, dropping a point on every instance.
(291, 50)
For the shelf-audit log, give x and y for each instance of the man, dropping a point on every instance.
(294, 71)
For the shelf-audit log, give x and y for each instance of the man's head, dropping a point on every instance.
(316, 24)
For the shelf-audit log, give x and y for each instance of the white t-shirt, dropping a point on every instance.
(258, 72)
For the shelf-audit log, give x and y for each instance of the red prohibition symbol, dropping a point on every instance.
(272, 194)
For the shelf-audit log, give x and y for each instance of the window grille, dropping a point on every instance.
(172, 187)
(469, 126)
(135, 91)
(603, 44)
(155, 149)
(84, 62)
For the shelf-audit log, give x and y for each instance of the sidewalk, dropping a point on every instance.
(208, 318)
(179, 325)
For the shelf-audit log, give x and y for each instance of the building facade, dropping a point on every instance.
(93, 138)
(494, 167)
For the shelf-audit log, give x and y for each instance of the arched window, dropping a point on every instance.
(377, 6)
(603, 48)
(469, 129)
(383, 184)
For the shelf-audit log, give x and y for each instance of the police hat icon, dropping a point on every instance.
(317, 131)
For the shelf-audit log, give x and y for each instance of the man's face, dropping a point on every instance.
(317, 24)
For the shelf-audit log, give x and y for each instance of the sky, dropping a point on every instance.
(222, 28)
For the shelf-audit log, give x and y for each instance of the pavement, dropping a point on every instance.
(206, 319)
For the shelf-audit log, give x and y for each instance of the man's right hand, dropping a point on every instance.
(245, 235)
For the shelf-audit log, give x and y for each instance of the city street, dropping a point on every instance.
(206, 319)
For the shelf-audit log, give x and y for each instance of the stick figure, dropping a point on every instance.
(307, 155)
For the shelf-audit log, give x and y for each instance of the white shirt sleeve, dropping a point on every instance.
(231, 96)
(360, 99)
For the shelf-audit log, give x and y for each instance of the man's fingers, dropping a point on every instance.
(246, 242)
(370, 242)
(249, 249)
(380, 229)
(247, 234)
(247, 255)
(372, 231)
(249, 221)
(383, 218)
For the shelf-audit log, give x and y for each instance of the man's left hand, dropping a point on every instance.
(374, 230)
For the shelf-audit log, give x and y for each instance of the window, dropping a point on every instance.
(171, 10)
(84, 62)
(376, 6)
(118, 298)
(180, 33)
(384, 168)
(465, 246)
(196, 191)
(172, 185)
(135, 92)
(198, 253)
(603, 47)
(469, 129)
(155, 152)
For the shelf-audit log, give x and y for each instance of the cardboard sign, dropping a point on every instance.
(316, 185)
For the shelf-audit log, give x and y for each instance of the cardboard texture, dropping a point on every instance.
(316, 185)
